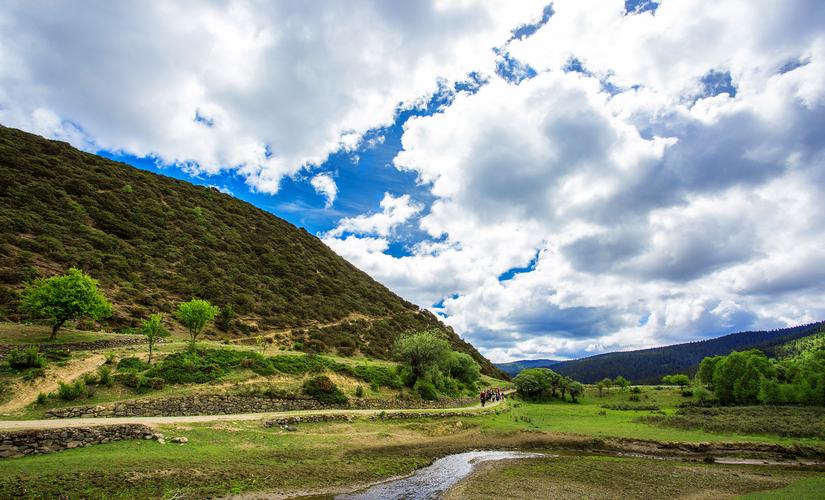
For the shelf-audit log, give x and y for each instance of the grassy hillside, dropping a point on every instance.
(153, 241)
(648, 366)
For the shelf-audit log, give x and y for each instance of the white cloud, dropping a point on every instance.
(276, 85)
(325, 185)
(395, 211)
(660, 214)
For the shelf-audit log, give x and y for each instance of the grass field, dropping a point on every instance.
(600, 477)
(332, 456)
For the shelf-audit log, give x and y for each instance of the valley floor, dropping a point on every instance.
(241, 457)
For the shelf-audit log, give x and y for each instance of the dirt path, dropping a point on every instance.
(90, 422)
(26, 392)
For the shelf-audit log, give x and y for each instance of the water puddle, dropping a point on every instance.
(432, 481)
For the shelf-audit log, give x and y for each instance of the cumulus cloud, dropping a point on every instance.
(325, 185)
(395, 211)
(265, 88)
(663, 209)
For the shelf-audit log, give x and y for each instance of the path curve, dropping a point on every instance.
(61, 423)
(26, 392)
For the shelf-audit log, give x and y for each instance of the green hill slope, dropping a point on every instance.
(648, 366)
(153, 241)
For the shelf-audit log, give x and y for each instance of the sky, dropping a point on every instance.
(555, 180)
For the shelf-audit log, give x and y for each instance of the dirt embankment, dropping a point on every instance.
(25, 393)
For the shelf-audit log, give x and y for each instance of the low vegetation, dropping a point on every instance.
(786, 421)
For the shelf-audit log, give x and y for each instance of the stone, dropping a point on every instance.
(290, 428)
(73, 444)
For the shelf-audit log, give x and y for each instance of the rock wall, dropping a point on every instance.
(76, 346)
(394, 415)
(33, 442)
(227, 404)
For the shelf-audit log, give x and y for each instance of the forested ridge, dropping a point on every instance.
(648, 366)
(153, 241)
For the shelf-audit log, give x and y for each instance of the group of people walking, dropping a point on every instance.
(492, 394)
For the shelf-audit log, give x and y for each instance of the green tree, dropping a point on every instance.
(154, 330)
(225, 318)
(71, 296)
(706, 369)
(621, 382)
(575, 389)
(738, 377)
(195, 315)
(423, 353)
(463, 367)
(606, 382)
(536, 383)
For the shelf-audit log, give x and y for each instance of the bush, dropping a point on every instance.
(322, 389)
(104, 375)
(315, 346)
(25, 359)
(133, 363)
(688, 393)
(42, 398)
(636, 389)
(374, 387)
(70, 392)
(425, 389)
(110, 358)
(359, 392)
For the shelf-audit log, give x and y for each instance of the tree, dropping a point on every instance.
(607, 383)
(679, 379)
(621, 382)
(576, 389)
(738, 377)
(600, 387)
(706, 369)
(153, 329)
(422, 352)
(195, 315)
(71, 296)
(463, 367)
(225, 318)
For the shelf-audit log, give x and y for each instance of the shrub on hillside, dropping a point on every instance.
(324, 390)
(425, 389)
(70, 392)
(132, 363)
(26, 358)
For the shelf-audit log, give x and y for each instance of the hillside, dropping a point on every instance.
(512, 368)
(153, 241)
(648, 366)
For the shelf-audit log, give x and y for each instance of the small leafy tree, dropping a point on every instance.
(153, 329)
(195, 315)
(225, 318)
(575, 389)
(679, 379)
(621, 382)
(71, 296)
(422, 352)
(606, 382)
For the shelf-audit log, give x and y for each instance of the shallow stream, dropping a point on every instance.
(432, 481)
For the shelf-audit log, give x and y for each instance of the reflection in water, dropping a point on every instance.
(434, 480)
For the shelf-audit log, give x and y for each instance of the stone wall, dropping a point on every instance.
(227, 404)
(76, 346)
(33, 442)
(394, 415)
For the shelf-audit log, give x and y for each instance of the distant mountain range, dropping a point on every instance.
(512, 368)
(648, 366)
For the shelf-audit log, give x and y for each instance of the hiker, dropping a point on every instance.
(481, 397)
